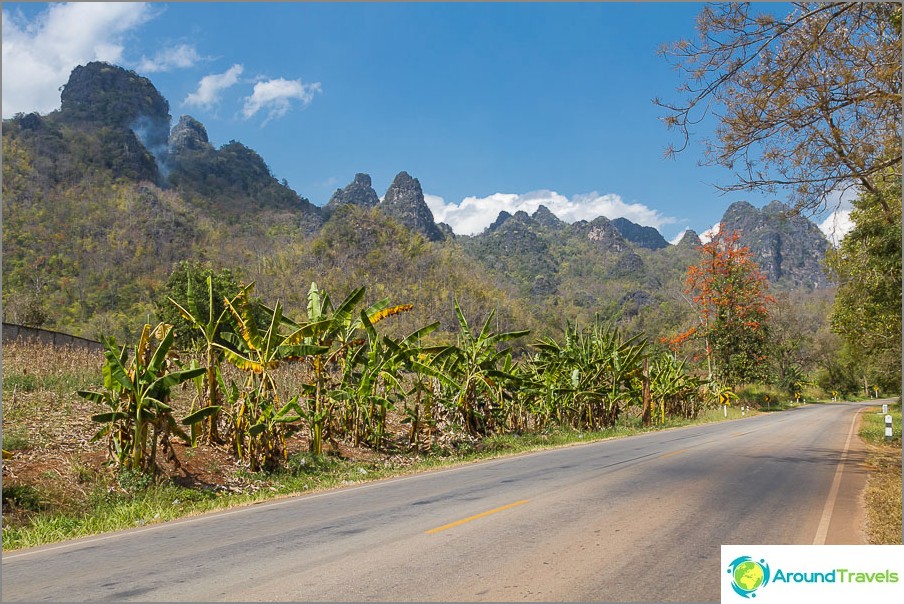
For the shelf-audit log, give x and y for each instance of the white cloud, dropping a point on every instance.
(276, 97)
(210, 87)
(38, 56)
(166, 59)
(837, 225)
(474, 214)
(707, 235)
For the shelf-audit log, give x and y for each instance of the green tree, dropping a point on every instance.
(810, 102)
(867, 266)
(797, 322)
(193, 296)
(731, 300)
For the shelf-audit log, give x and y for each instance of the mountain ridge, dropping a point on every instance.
(91, 211)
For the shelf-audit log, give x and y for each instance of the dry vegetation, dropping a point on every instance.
(883, 489)
(50, 463)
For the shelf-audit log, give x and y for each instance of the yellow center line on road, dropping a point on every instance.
(673, 453)
(475, 517)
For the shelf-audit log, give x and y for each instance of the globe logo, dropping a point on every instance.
(748, 575)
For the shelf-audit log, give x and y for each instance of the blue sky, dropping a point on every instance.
(490, 105)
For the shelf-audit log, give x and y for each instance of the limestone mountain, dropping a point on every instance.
(689, 240)
(109, 119)
(359, 192)
(404, 201)
(788, 247)
(104, 95)
(602, 233)
(544, 217)
(233, 179)
(188, 136)
(101, 200)
(641, 236)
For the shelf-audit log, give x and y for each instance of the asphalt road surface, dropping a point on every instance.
(631, 519)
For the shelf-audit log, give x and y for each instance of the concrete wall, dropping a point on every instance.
(12, 332)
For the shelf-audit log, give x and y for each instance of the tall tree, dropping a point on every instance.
(867, 266)
(731, 300)
(810, 102)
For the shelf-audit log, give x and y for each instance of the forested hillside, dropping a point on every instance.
(102, 200)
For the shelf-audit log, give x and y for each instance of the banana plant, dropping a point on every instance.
(259, 352)
(672, 389)
(589, 374)
(473, 364)
(382, 364)
(338, 330)
(623, 363)
(209, 326)
(329, 331)
(137, 391)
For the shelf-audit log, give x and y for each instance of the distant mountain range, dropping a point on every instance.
(102, 197)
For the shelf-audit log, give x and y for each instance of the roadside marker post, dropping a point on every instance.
(887, 427)
(885, 409)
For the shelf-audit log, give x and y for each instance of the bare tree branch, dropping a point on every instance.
(808, 103)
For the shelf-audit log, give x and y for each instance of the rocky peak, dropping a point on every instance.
(500, 220)
(133, 115)
(602, 233)
(776, 207)
(446, 230)
(113, 96)
(789, 248)
(404, 201)
(359, 192)
(188, 135)
(690, 240)
(546, 218)
(641, 236)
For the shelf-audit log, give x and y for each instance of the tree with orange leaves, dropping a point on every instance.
(729, 294)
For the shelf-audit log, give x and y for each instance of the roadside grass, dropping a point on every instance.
(883, 488)
(762, 396)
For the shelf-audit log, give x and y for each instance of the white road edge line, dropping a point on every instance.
(822, 530)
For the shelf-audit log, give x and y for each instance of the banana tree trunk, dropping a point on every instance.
(317, 428)
(211, 436)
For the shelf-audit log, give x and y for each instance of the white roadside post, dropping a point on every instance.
(885, 409)
(887, 427)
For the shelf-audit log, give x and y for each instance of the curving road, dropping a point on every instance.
(632, 519)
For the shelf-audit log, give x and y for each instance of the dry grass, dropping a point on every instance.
(883, 496)
(883, 489)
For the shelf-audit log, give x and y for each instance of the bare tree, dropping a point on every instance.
(810, 103)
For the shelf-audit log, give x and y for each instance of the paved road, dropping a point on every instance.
(638, 518)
